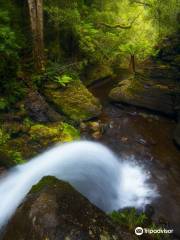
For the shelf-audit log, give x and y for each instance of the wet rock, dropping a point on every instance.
(75, 101)
(97, 135)
(148, 116)
(161, 71)
(52, 133)
(124, 139)
(39, 110)
(54, 210)
(158, 97)
(94, 126)
(93, 129)
(142, 141)
(83, 126)
(177, 135)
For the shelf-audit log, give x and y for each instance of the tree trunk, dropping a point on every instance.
(132, 65)
(36, 19)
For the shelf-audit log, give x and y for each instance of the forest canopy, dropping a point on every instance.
(84, 32)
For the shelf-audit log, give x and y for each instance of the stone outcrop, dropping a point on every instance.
(149, 94)
(75, 101)
(53, 210)
(38, 108)
(94, 73)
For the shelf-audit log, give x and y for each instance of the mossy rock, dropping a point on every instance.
(146, 94)
(96, 72)
(75, 101)
(23, 141)
(53, 133)
(45, 182)
(55, 210)
(9, 157)
(125, 90)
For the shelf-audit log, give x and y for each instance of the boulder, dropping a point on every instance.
(75, 101)
(38, 108)
(94, 73)
(148, 94)
(53, 210)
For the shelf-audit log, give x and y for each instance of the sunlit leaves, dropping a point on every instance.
(149, 20)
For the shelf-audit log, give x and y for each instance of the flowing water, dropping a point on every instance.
(108, 182)
(145, 158)
(147, 137)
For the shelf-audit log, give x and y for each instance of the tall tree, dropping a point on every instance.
(36, 19)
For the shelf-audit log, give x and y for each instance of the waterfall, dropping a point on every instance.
(91, 168)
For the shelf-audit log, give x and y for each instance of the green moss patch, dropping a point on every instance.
(24, 141)
(53, 133)
(75, 101)
(45, 181)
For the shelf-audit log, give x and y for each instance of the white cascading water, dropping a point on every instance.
(107, 181)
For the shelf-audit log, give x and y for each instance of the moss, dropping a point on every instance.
(46, 134)
(3, 104)
(127, 89)
(45, 181)
(4, 137)
(24, 141)
(134, 86)
(69, 132)
(9, 157)
(96, 72)
(75, 101)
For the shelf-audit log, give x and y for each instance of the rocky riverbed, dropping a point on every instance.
(147, 138)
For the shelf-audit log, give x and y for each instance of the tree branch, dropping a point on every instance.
(142, 3)
(115, 26)
(119, 25)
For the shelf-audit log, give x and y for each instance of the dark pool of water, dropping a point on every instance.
(147, 137)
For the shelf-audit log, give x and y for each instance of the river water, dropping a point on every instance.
(147, 137)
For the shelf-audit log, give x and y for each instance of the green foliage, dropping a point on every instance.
(8, 45)
(148, 23)
(63, 80)
(70, 132)
(8, 56)
(16, 157)
(62, 74)
(3, 104)
(129, 218)
(8, 157)
(4, 137)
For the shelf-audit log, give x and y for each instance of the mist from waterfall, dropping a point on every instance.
(108, 182)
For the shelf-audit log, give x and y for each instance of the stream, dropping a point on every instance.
(147, 138)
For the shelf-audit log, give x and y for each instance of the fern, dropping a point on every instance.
(63, 80)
